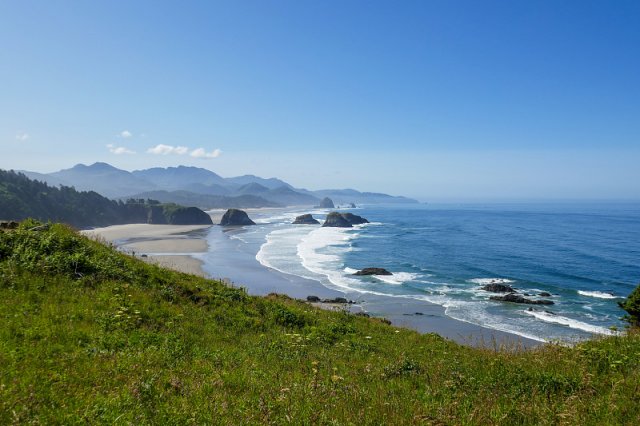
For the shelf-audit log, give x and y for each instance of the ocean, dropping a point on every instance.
(584, 254)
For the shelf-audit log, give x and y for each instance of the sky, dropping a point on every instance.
(439, 100)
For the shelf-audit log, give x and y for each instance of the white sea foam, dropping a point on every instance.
(398, 277)
(350, 270)
(598, 294)
(485, 281)
(321, 251)
(579, 325)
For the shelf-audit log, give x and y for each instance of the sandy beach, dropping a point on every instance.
(210, 251)
(171, 246)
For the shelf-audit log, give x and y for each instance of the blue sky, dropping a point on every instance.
(432, 99)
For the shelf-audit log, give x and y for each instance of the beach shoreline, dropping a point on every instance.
(209, 251)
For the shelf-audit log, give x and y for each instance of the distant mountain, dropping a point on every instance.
(104, 179)
(206, 202)
(202, 187)
(22, 198)
(346, 196)
(180, 177)
(252, 188)
(271, 183)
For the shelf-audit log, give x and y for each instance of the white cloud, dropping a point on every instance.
(119, 150)
(125, 134)
(22, 136)
(201, 153)
(162, 149)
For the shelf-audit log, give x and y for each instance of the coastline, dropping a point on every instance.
(210, 251)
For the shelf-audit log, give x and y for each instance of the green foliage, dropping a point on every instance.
(91, 335)
(21, 198)
(632, 306)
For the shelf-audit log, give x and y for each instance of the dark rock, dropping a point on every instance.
(353, 206)
(9, 225)
(235, 217)
(343, 220)
(305, 219)
(313, 299)
(544, 294)
(419, 313)
(187, 216)
(516, 298)
(327, 203)
(373, 271)
(336, 220)
(143, 255)
(498, 288)
(362, 314)
(336, 300)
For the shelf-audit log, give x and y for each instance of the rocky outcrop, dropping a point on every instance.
(327, 203)
(316, 299)
(373, 271)
(8, 224)
(305, 219)
(498, 288)
(516, 298)
(187, 216)
(343, 220)
(544, 294)
(235, 217)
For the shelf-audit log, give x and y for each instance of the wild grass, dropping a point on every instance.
(90, 335)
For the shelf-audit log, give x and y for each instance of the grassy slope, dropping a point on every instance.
(92, 335)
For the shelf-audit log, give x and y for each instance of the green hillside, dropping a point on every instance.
(90, 335)
(21, 198)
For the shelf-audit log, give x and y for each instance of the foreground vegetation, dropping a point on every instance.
(90, 335)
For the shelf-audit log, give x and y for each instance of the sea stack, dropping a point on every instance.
(373, 271)
(327, 203)
(343, 220)
(235, 217)
(305, 219)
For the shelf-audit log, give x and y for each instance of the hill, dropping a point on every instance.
(116, 183)
(21, 198)
(93, 335)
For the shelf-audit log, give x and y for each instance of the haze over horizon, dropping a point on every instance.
(432, 100)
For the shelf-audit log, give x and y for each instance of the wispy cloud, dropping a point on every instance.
(22, 136)
(125, 134)
(162, 149)
(118, 150)
(201, 153)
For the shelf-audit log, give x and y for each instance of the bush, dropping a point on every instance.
(632, 306)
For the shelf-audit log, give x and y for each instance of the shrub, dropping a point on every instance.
(632, 306)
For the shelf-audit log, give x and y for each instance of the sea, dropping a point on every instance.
(586, 255)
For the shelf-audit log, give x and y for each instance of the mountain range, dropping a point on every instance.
(200, 187)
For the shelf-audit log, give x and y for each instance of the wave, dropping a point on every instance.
(321, 250)
(571, 323)
(485, 281)
(597, 294)
(398, 278)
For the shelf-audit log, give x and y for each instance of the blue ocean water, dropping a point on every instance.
(585, 255)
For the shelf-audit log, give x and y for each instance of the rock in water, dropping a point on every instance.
(187, 216)
(498, 288)
(327, 203)
(235, 217)
(516, 298)
(373, 271)
(343, 220)
(354, 219)
(305, 219)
